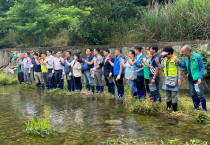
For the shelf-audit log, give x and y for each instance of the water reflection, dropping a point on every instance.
(83, 120)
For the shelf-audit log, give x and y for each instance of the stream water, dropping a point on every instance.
(83, 120)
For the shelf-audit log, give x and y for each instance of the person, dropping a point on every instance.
(129, 72)
(154, 77)
(195, 68)
(44, 69)
(139, 72)
(27, 67)
(49, 63)
(77, 73)
(118, 72)
(172, 77)
(88, 79)
(146, 74)
(108, 71)
(22, 56)
(18, 68)
(97, 69)
(68, 71)
(58, 70)
(37, 70)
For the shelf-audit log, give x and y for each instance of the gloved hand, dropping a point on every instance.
(70, 74)
(118, 77)
(93, 69)
(83, 59)
(53, 71)
(63, 73)
(109, 59)
(65, 58)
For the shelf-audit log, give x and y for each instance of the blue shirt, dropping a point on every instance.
(25, 64)
(85, 65)
(153, 64)
(137, 58)
(201, 66)
(117, 65)
(36, 68)
(67, 68)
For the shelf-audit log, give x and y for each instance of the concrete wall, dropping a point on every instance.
(7, 54)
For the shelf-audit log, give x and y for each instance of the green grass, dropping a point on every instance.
(40, 127)
(7, 79)
(28, 85)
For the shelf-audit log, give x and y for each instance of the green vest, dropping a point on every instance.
(172, 68)
(195, 70)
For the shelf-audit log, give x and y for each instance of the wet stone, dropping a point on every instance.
(113, 122)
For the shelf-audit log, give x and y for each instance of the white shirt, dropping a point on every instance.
(49, 61)
(57, 63)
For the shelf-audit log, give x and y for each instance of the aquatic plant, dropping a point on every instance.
(28, 85)
(60, 92)
(179, 142)
(201, 116)
(144, 106)
(7, 79)
(40, 127)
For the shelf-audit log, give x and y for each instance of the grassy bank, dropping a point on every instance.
(7, 79)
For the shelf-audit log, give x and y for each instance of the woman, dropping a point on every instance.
(129, 72)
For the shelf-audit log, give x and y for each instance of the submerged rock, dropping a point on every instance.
(113, 122)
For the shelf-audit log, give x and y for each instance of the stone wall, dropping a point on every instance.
(7, 54)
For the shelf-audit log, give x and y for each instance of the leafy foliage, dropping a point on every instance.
(7, 79)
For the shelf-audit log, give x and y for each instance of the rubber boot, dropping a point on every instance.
(101, 89)
(93, 89)
(47, 86)
(196, 102)
(174, 107)
(134, 93)
(88, 87)
(37, 85)
(76, 87)
(43, 86)
(203, 103)
(168, 105)
(69, 87)
(118, 91)
(80, 87)
(97, 89)
(112, 90)
(143, 94)
(109, 90)
(139, 94)
(73, 87)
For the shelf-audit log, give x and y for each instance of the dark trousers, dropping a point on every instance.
(58, 80)
(50, 80)
(119, 83)
(70, 82)
(78, 83)
(156, 93)
(140, 83)
(20, 77)
(147, 85)
(109, 83)
(45, 77)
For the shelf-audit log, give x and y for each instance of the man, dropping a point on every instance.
(141, 91)
(27, 67)
(42, 61)
(97, 70)
(68, 71)
(118, 72)
(22, 56)
(108, 72)
(154, 73)
(49, 64)
(88, 79)
(195, 68)
(58, 70)
(18, 68)
(37, 70)
(172, 77)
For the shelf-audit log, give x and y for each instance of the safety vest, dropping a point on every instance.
(195, 69)
(170, 68)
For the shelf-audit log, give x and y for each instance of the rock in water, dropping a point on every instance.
(113, 122)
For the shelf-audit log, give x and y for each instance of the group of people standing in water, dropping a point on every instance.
(140, 71)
